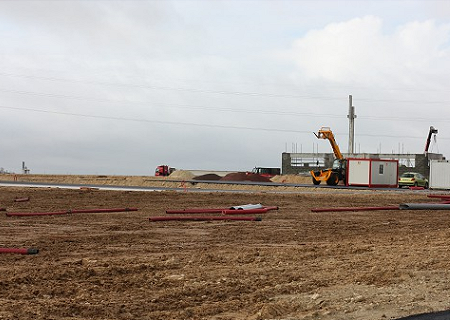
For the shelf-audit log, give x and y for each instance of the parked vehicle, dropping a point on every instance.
(412, 179)
(266, 172)
(164, 170)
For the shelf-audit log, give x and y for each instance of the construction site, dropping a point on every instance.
(190, 245)
(90, 253)
(298, 163)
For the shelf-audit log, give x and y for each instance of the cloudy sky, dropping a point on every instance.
(119, 87)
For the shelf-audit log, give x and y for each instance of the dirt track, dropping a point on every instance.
(294, 264)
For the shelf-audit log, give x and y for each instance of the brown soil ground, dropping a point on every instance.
(294, 264)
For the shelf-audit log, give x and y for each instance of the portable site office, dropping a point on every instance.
(372, 173)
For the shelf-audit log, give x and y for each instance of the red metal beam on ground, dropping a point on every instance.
(439, 196)
(416, 188)
(248, 211)
(202, 218)
(19, 251)
(222, 210)
(197, 210)
(9, 214)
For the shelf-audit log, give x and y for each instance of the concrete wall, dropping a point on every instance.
(309, 161)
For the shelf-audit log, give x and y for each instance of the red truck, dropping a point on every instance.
(164, 170)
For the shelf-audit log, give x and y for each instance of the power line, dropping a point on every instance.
(196, 124)
(222, 92)
(152, 121)
(53, 95)
(257, 111)
(259, 83)
(169, 88)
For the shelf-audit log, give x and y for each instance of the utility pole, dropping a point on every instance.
(351, 125)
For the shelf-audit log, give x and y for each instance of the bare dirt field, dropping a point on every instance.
(294, 264)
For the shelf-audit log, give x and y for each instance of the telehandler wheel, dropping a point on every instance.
(333, 180)
(316, 182)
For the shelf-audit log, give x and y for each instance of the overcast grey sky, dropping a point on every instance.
(119, 87)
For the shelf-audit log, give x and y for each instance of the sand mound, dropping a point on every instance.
(181, 175)
(245, 176)
(292, 178)
(209, 177)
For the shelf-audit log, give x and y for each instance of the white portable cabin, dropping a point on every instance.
(439, 174)
(372, 173)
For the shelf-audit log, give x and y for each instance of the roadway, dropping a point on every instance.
(194, 189)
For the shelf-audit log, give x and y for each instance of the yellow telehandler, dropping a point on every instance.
(336, 173)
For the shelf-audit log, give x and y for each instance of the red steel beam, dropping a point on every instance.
(202, 218)
(271, 208)
(248, 211)
(222, 210)
(439, 196)
(354, 209)
(197, 210)
(22, 214)
(19, 251)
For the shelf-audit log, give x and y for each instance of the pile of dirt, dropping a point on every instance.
(292, 178)
(209, 177)
(181, 175)
(245, 176)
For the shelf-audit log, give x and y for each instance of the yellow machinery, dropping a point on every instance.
(333, 175)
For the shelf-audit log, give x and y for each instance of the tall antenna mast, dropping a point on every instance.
(351, 125)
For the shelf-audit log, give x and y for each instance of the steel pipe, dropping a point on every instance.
(197, 210)
(439, 196)
(19, 251)
(221, 210)
(22, 199)
(272, 208)
(425, 206)
(202, 218)
(103, 210)
(354, 209)
(22, 214)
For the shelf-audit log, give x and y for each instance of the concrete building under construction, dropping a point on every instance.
(297, 163)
